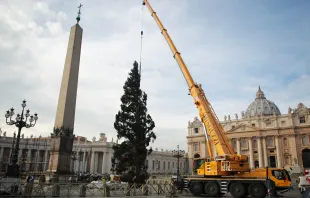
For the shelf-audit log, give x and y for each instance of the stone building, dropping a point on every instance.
(268, 137)
(88, 156)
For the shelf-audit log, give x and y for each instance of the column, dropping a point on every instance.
(1, 157)
(1, 153)
(103, 161)
(20, 152)
(28, 159)
(260, 152)
(96, 163)
(10, 155)
(293, 146)
(106, 163)
(80, 162)
(110, 161)
(251, 153)
(84, 162)
(279, 156)
(265, 152)
(88, 159)
(238, 146)
(46, 161)
(92, 162)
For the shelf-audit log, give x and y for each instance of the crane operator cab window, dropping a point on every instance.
(197, 163)
(279, 174)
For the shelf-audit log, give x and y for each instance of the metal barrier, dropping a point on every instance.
(100, 189)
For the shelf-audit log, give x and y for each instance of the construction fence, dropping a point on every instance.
(99, 189)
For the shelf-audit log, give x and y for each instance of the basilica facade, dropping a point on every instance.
(266, 136)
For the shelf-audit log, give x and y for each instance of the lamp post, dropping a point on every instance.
(178, 154)
(20, 122)
(13, 145)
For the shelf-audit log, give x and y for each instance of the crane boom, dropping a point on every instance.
(206, 112)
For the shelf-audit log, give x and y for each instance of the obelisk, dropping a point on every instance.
(62, 136)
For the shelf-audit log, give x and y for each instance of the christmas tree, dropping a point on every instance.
(135, 127)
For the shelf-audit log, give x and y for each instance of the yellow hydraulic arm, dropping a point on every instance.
(206, 112)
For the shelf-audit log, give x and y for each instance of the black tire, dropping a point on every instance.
(238, 190)
(212, 189)
(257, 190)
(196, 188)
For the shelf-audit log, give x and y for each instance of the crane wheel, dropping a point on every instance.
(196, 188)
(212, 189)
(257, 190)
(238, 190)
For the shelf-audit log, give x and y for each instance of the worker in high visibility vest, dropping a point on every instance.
(103, 179)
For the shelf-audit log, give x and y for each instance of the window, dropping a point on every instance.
(172, 164)
(270, 142)
(158, 165)
(153, 166)
(244, 143)
(302, 119)
(279, 174)
(168, 165)
(196, 130)
(233, 126)
(254, 143)
(253, 125)
(234, 144)
(196, 147)
(304, 140)
(164, 165)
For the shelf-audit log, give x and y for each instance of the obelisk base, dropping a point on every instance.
(60, 158)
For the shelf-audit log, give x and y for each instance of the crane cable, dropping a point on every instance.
(143, 3)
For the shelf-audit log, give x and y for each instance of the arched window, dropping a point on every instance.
(270, 142)
(304, 140)
(285, 142)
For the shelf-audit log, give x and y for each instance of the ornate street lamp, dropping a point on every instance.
(20, 122)
(178, 154)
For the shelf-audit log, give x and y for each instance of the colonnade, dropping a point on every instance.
(259, 150)
(93, 162)
(29, 159)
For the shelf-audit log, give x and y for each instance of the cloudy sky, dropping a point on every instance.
(230, 47)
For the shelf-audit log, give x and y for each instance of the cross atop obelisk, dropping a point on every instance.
(78, 18)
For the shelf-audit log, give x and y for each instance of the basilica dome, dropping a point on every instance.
(262, 106)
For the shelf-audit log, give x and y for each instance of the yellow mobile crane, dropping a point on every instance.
(228, 171)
